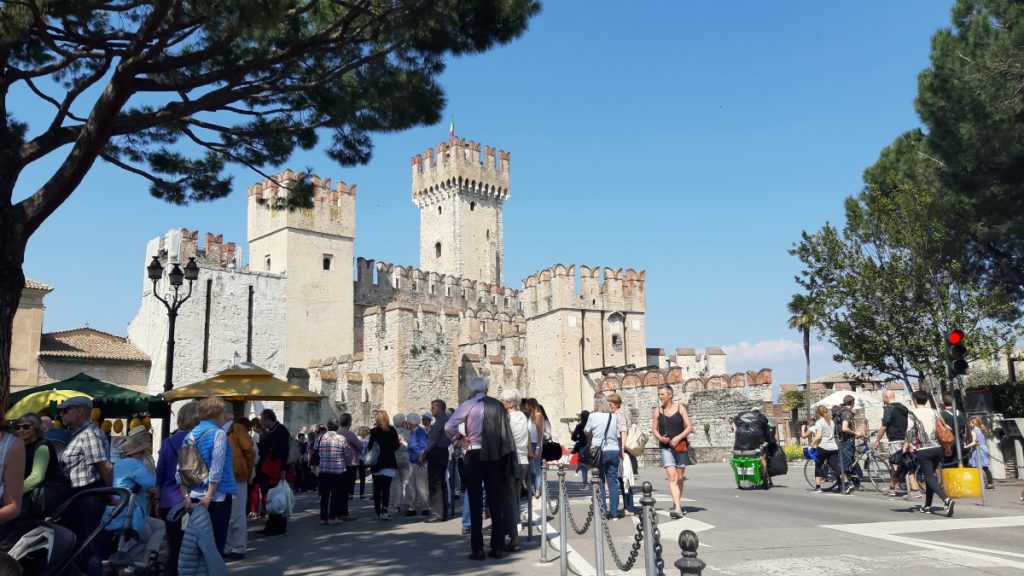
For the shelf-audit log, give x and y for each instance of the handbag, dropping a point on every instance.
(682, 446)
(590, 456)
(372, 455)
(551, 451)
(636, 439)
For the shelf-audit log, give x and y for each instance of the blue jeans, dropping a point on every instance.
(847, 448)
(465, 508)
(610, 476)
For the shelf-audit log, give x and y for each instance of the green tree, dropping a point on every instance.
(891, 283)
(174, 90)
(971, 100)
(803, 310)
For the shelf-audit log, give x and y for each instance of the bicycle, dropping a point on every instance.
(874, 468)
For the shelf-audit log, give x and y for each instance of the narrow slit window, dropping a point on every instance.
(328, 260)
(437, 250)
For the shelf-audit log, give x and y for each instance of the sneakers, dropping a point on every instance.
(675, 514)
(950, 503)
(850, 487)
(815, 490)
(891, 493)
(385, 516)
(925, 510)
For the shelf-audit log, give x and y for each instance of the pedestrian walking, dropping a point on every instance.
(383, 442)
(671, 426)
(924, 445)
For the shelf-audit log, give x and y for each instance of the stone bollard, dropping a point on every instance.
(689, 563)
(647, 517)
(563, 511)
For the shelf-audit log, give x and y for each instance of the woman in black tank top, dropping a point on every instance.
(670, 426)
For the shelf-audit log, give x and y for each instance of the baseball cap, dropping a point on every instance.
(75, 401)
(428, 416)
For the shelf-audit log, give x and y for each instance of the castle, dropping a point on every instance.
(373, 335)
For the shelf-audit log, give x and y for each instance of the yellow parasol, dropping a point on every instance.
(244, 382)
(39, 402)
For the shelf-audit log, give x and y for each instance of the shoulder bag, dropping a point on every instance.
(944, 434)
(683, 445)
(372, 455)
(636, 439)
(590, 456)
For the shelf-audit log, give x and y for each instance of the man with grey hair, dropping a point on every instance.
(490, 449)
(435, 456)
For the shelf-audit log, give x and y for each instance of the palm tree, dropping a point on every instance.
(803, 316)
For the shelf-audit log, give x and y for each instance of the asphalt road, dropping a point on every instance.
(790, 531)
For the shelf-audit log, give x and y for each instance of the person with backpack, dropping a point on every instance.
(214, 489)
(923, 443)
(959, 425)
(846, 435)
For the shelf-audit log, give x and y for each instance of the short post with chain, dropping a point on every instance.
(599, 518)
(689, 563)
(563, 507)
(647, 518)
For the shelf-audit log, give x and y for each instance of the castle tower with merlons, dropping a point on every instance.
(460, 193)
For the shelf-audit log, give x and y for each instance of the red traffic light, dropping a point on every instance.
(955, 337)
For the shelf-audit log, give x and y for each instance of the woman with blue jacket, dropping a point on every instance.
(215, 493)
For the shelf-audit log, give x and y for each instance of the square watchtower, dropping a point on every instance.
(460, 193)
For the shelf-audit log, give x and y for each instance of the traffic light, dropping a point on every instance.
(957, 352)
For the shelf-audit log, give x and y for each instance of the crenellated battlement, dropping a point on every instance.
(459, 167)
(180, 244)
(332, 213)
(278, 188)
(377, 283)
(593, 288)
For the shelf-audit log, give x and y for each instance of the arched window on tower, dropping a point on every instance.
(472, 206)
(437, 250)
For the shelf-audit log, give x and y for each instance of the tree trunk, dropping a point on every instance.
(12, 281)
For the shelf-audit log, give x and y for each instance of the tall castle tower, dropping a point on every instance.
(460, 195)
(313, 249)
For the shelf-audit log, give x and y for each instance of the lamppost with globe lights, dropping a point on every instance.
(173, 302)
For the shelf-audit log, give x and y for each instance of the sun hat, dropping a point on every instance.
(135, 444)
(428, 416)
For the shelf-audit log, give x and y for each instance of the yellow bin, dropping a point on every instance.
(961, 482)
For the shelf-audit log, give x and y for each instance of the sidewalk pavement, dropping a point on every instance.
(368, 546)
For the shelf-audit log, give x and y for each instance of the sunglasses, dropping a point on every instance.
(23, 427)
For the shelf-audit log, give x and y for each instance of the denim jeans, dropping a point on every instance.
(610, 476)
(847, 448)
(535, 466)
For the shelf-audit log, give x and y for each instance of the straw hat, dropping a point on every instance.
(134, 444)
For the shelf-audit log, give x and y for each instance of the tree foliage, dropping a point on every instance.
(971, 100)
(892, 282)
(175, 90)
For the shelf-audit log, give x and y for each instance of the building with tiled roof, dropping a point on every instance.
(101, 355)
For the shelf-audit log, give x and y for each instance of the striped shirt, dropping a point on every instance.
(334, 452)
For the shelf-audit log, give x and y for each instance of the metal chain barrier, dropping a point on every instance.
(659, 563)
(568, 510)
(633, 554)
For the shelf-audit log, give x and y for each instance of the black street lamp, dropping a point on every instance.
(173, 301)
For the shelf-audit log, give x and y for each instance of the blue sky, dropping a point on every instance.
(692, 140)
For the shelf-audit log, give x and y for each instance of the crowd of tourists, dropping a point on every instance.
(192, 498)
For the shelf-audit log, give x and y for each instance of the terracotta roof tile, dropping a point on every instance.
(89, 343)
(35, 285)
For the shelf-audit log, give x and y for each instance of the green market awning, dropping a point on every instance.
(112, 400)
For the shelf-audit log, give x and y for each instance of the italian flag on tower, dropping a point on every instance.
(451, 128)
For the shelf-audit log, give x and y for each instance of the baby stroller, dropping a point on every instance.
(122, 562)
(48, 549)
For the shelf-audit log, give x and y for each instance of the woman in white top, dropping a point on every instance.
(519, 424)
(922, 442)
(828, 451)
(603, 430)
